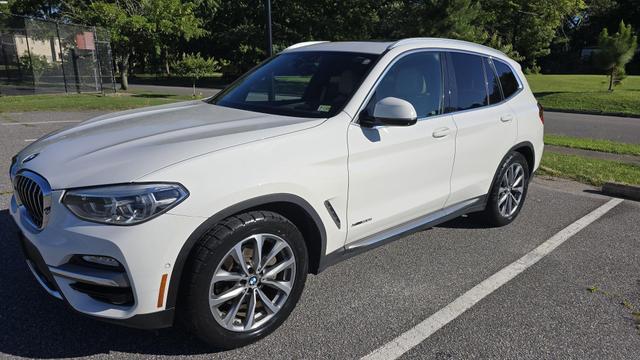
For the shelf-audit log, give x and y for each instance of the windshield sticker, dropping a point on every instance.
(324, 108)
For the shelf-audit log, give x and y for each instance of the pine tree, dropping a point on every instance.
(615, 52)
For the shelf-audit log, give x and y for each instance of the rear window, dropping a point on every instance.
(471, 90)
(507, 78)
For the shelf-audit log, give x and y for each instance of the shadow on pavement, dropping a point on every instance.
(470, 221)
(36, 325)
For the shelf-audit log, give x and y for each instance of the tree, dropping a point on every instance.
(194, 67)
(139, 26)
(615, 51)
(528, 26)
(172, 20)
(457, 19)
(36, 65)
(47, 9)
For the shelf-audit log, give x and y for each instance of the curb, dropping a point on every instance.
(622, 190)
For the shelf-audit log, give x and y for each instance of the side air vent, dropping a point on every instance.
(332, 212)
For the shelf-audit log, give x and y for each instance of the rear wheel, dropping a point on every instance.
(507, 195)
(246, 276)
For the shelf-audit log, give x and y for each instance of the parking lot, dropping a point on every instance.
(578, 301)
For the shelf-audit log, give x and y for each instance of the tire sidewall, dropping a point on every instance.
(199, 300)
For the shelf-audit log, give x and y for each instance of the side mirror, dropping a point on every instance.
(391, 111)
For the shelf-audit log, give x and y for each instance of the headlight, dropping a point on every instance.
(124, 204)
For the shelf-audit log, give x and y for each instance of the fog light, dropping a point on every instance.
(101, 260)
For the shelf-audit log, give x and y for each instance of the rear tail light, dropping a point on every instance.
(541, 113)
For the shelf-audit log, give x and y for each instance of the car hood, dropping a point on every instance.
(125, 146)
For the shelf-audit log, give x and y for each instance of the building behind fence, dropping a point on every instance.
(38, 56)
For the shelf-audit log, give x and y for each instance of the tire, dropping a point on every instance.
(210, 317)
(496, 212)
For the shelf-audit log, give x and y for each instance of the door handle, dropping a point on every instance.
(441, 132)
(506, 118)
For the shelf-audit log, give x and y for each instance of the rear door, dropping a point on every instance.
(486, 124)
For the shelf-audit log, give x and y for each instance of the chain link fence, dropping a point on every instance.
(38, 56)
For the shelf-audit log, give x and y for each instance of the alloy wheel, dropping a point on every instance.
(252, 282)
(511, 190)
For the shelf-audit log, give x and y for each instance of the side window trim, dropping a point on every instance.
(489, 63)
(451, 88)
(449, 80)
(486, 82)
(493, 58)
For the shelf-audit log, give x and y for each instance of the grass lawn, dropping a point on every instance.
(592, 144)
(62, 102)
(587, 93)
(588, 170)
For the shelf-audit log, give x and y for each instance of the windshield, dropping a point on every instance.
(304, 84)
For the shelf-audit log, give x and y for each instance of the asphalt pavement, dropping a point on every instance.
(614, 128)
(360, 305)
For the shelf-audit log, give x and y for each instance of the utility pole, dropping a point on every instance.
(267, 7)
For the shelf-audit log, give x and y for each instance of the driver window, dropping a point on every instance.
(416, 78)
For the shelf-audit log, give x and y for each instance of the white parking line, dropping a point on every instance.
(41, 122)
(414, 336)
(30, 140)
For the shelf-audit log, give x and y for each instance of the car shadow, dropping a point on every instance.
(469, 221)
(35, 325)
(153, 95)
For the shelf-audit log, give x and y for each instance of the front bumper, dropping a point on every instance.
(136, 295)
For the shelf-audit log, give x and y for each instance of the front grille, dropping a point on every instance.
(31, 192)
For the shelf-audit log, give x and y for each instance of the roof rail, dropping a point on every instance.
(410, 41)
(303, 44)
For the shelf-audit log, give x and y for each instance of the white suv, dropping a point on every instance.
(213, 212)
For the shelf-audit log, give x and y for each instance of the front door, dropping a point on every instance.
(398, 174)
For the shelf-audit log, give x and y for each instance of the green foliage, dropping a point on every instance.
(35, 64)
(195, 66)
(615, 51)
(589, 170)
(528, 26)
(592, 144)
(586, 93)
(141, 26)
(238, 31)
(152, 34)
(38, 8)
(457, 19)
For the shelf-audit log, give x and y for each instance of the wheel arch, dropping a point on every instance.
(526, 149)
(293, 207)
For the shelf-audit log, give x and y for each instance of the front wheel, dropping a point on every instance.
(246, 276)
(507, 195)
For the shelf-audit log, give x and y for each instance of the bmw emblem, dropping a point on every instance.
(253, 281)
(30, 157)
